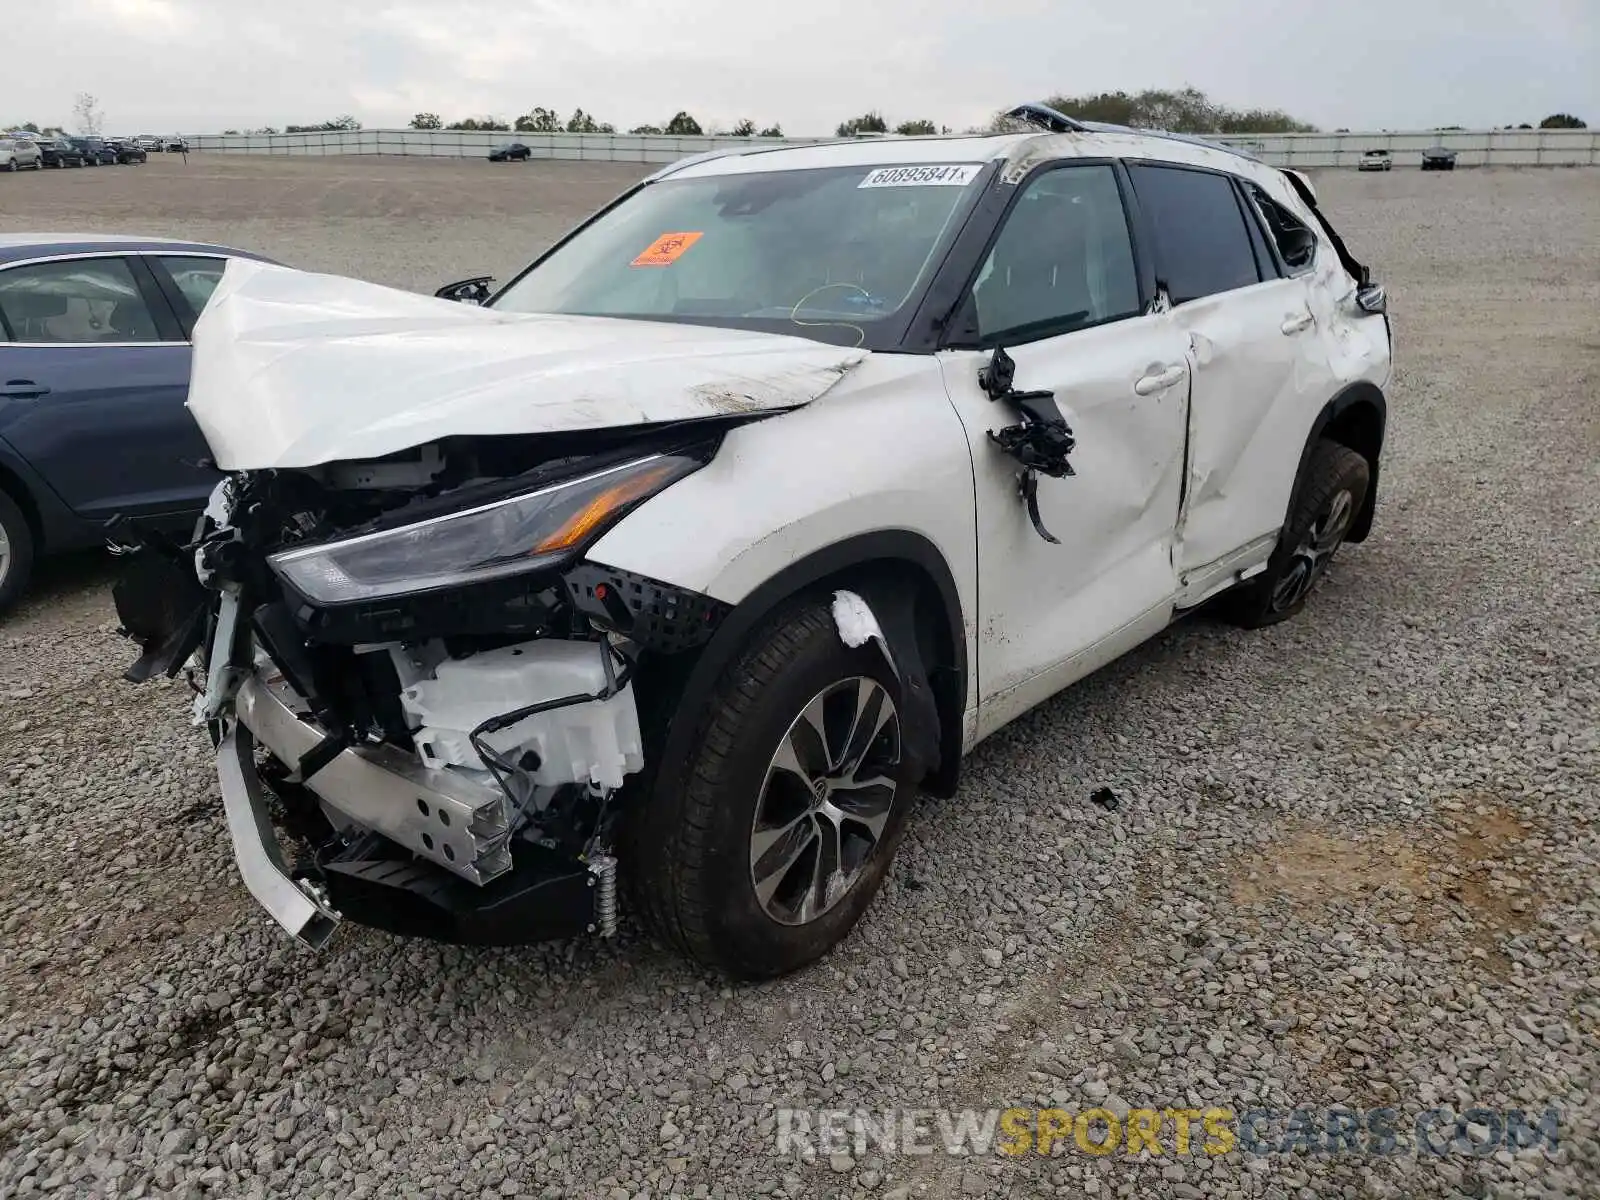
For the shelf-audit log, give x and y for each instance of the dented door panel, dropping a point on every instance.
(1048, 609)
(1259, 378)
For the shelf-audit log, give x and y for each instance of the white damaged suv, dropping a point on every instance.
(680, 563)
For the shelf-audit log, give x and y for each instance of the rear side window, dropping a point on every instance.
(1296, 245)
(195, 277)
(1202, 243)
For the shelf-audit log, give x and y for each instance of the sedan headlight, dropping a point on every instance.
(522, 533)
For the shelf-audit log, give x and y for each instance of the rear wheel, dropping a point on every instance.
(16, 551)
(792, 807)
(1334, 490)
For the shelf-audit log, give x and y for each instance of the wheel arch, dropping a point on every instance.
(22, 496)
(1356, 417)
(883, 564)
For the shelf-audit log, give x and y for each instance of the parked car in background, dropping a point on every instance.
(148, 142)
(175, 145)
(634, 518)
(17, 153)
(1375, 160)
(95, 151)
(510, 152)
(1438, 158)
(94, 370)
(128, 152)
(60, 152)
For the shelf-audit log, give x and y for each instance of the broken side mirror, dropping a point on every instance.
(1371, 298)
(467, 291)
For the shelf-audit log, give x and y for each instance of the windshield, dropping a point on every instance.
(831, 254)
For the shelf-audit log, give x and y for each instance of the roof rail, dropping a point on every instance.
(1046, 117)
(1189, 138)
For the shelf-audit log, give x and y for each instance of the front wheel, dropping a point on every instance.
(1334, 490)
(791, 808)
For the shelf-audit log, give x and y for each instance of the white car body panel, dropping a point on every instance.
(293, 369)
(881, 451)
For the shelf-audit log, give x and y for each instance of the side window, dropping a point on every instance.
(1202, 243)
(195, 277)
(75, 300)
(1297, 245)
(1063, 260)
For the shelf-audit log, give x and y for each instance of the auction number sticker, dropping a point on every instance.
(952, 175)
(667, 249)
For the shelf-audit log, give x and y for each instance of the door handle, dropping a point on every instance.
(1149, 385)
(23, 389)
(1296, 323)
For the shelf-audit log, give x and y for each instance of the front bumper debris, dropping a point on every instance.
(298, 907)
(453, 822)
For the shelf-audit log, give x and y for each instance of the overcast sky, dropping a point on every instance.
(206, 65)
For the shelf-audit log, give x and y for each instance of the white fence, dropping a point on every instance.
(1499, 147)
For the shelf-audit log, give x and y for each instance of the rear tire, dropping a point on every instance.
(16, 552)
(1333, 492)
(778, 838)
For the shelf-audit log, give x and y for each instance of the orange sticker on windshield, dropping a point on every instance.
(667, 249)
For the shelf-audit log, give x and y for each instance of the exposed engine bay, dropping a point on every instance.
(439, 692)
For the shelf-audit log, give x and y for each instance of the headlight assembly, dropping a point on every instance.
(507, 537)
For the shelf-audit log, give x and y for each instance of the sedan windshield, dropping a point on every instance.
(830, 253)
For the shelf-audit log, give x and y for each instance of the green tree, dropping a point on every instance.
(871, 122)
(1562, 121)
(916, 128)
(745, 128)
(539, 120)
(338, 123)
(773, 130)
(582, 122)
(646, 129)
(684, 125)
(426, 121)
(482, 124)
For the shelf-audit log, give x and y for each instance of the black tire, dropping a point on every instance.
(687, 850)
(17, 564)
(1320, 516)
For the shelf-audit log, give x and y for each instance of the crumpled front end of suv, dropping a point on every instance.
(404, 657)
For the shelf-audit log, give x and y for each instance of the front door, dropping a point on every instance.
(1059, 291)
(93, 378)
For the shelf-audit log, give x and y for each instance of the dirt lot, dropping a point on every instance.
(1354, 863)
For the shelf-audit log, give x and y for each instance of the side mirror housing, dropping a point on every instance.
(1371, 298)
(467, 291)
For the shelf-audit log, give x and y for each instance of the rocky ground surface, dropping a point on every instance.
(1353, 860)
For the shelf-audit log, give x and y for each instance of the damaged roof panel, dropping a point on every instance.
(293, 369)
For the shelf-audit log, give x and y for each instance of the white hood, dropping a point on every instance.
(293, 369)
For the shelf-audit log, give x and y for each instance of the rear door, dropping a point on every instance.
(94, 372)
(1252, 344)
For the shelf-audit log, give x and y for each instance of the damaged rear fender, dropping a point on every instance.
(910, 588)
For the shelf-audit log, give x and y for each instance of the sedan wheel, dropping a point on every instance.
(16, 551)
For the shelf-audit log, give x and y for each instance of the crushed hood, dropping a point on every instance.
(293, 369)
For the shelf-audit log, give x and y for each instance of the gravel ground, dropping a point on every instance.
(1354, 860)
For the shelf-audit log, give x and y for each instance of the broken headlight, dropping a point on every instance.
(522, 533)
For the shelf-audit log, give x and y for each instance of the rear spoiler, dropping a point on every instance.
(1359, 271)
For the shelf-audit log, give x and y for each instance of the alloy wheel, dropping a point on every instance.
(825, 801)
(1311, 557)
(5, 554)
